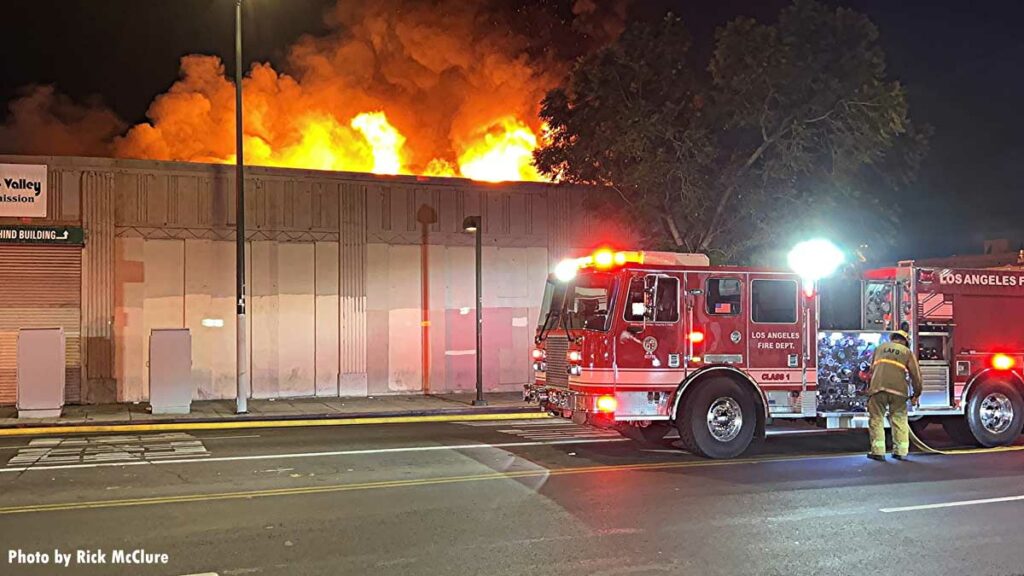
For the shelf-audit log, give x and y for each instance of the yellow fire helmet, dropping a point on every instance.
(902, 334)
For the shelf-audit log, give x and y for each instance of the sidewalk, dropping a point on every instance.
(287, 412)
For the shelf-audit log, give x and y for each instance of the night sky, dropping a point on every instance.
(960, 62)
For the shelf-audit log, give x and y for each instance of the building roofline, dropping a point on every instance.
(95, 162)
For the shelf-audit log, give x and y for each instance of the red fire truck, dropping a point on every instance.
(647, 341)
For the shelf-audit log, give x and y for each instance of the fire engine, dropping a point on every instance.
(649, 341)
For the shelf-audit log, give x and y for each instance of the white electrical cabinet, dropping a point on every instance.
(40, 372)
(170, 371)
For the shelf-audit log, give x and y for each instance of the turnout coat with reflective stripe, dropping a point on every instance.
(889, 368)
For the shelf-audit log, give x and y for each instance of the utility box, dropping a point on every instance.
(170, 371)
(40, 372)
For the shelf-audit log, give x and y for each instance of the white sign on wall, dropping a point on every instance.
(23, 190)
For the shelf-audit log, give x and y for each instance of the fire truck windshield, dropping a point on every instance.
(551, 306)
(588, 301)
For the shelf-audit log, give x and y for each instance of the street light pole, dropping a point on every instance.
(242, 391)
(475, 225)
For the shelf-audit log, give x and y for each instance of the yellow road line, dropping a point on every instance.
(248, 424)
(384, 484)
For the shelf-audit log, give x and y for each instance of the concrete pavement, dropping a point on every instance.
(504, 497)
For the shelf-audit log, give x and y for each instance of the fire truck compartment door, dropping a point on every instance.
(777, 330)
(654, 317)
(719, 316)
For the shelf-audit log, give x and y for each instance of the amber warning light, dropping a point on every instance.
(1002, 362)
(604, 258)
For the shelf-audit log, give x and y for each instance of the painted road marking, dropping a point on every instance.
(414, 482)
(952, 504)
(554, 429)
(203, 438)
(49, 452)
(315, 454)
(808, 432)
(246, 424)
(530, 422)
(557, 429)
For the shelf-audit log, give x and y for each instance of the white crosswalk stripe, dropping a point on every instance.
(103, 449)
(554, 429)
(517, 423)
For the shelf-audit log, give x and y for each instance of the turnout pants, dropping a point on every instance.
(896, 405)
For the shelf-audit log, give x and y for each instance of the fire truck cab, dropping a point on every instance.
(648, 341)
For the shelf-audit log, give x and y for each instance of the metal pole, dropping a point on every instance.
(479, 315)
(242, 392)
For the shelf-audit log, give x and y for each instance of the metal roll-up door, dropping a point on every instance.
(40, 287)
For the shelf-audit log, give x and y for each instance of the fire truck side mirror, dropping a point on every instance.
(638, 309)
(633, 329)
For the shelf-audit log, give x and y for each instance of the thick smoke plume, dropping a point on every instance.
(42, 122)
(437, 87)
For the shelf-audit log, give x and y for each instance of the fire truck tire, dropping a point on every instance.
(717, 419)
(958, 431)
(995, 413)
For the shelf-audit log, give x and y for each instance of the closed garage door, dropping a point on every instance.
(40, 287)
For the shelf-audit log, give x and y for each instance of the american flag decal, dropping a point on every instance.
(723, 308)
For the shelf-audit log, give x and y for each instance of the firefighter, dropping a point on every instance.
(892, 363)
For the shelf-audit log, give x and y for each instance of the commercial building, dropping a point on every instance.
(358, 284)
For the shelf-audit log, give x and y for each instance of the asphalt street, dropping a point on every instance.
(503, 497)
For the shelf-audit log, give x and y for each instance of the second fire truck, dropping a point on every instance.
(650, 341)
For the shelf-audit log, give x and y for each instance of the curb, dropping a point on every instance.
(244, 422)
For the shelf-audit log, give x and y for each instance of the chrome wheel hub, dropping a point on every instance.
(725, 419)
(996, 413)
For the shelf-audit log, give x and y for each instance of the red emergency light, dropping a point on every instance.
(606, 258)
(696, 337)
(1003, 362)
(574, 356)
(537, 354)
(607, 403)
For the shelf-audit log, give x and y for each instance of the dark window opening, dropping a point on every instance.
(723, 296)
(652, 299)
(773, 301)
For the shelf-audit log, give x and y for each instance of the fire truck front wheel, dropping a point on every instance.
(717, 419)
(995, 413)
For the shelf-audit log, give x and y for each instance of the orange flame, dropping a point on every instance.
(396, 89)
(384, 140)
(502, 153)
(394, 86)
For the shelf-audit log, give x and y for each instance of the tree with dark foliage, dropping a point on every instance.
(791, 129)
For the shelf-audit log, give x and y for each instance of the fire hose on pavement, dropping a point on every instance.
(920, 445)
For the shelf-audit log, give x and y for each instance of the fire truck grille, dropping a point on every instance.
(557, 372)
